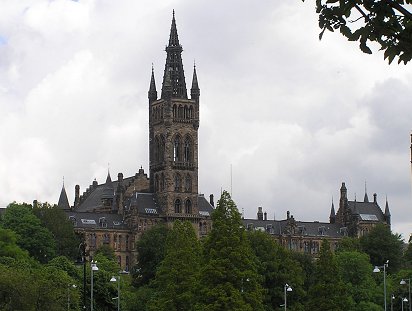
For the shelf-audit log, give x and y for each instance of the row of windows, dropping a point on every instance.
(160, 182)
(182, 149)
(105, 238)
(157, 113)
(179, 112)
(178, 206)
(308, 247)
(183, 112)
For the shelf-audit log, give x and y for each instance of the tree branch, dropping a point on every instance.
(400, 8)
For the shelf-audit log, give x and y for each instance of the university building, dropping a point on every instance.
(116, 212)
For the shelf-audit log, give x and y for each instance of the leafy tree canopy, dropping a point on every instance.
(229, 279)
(31, 234)
(386, 22)
(8, 245)
(150, 252)
(382, 245)
(56, 221)
(177, 277)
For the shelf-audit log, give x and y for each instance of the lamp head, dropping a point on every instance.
(113, 279)
(376, 270)
(403, 282)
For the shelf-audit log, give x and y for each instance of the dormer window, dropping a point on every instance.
(322, 230)
(73, 220)
(103, 222)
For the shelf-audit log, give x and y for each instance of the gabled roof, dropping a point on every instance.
(97, 220)
(366, 210)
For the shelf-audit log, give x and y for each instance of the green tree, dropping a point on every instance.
(31, 234)
(9, 247)
(57, 222)
(178, 274)
(150, 253)
(355, 272)
(277, 267)
(382, 245)
(386, 22)
(229, 278)
(407, 256)
(328, 292)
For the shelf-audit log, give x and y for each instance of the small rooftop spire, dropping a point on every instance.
(152, 89)
(387, 212)
(365, 198)
(332, 216)
(195, 91)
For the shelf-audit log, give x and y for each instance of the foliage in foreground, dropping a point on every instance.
(386, 22)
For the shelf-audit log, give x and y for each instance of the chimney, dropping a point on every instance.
(287, 215)
(374, 198)
(211, 201)
(260, 213)
(76, 195)
(265, 216)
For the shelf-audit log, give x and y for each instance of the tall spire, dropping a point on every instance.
(152, 88)
(174, 65)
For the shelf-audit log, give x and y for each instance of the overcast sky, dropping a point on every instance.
(290, 116)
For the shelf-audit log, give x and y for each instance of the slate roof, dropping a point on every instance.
(93, 200)
(304, 228)
(95, 220)
(63, 200)
(366, 209)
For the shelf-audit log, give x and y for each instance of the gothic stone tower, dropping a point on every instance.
(173, 137)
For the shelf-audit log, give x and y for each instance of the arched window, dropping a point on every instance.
(188, 207)
(157, 183)
(190, 112)
(187, 150)
(180, 112)
(178, 182)
(176, 149)
(174, 111)
(188, 183)
(157, 150)
(162, 182)
(178, 206)
(162, 149)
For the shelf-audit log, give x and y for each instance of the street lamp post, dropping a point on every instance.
(392, 298)
(286, 289)
(68, 295)
(403, 282)
(93, 267)
(82, 261)
(377, 269)
(113, 279)
(404, 300)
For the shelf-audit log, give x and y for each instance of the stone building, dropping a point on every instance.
(353, 219)
(116, 212)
